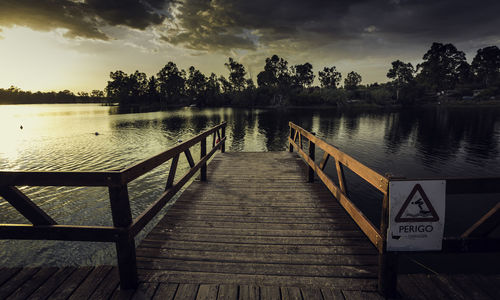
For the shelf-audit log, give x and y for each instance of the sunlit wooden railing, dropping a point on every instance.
(474, 239)
(124, 228)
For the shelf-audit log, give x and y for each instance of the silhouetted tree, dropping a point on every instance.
(236, 74)
(352, 80)
(275, 74)
(486, 65)
(225, 85)
(171, 82)
(196, 85)
(116, 89)
(402, 75)
(329, 77)
(153, 93)
(441, 67)
(303, 75)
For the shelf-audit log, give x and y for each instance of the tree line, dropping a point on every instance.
(443, 71)
(15, 95)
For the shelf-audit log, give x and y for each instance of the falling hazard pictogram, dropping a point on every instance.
(417, 208)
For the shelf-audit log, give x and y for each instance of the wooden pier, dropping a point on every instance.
(253, 226)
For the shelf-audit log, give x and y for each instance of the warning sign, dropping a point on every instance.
(416, 215)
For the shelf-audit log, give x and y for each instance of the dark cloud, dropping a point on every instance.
(82, 18)
(297, 25)
(232, 24)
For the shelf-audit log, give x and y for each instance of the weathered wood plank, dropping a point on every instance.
(408, 289)
(164, 238)
(360, 295)
(290, 293)
(88, 286)
(311, 293)
(16, 281)
(6, 273)
(145, 291)
(366, 284)
(166, 291)
(25, 290)
(270, 292)
(249, 292)
(257, 268)
(71, 283)
(228, 292)
(292, 258)
(472, 289)
(207, 292)
(186, 291)
(44, 291)
(107, 286)
(234, 247)
(427, 286)
(331, 294)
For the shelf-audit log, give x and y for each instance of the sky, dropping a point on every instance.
(74, 44)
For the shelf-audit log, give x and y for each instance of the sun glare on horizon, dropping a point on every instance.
(38, 61)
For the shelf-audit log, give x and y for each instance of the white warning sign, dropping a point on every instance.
(416, 215)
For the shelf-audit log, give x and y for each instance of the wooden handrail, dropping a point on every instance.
(132, 172)
(146, 216)
(364, 224)
(59, 178)
(340, 193)
(124, 229)
(473, 239)
(375, 179)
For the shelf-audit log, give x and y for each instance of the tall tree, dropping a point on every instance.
(117, 87)
(303, 75)
(441, 67)
(196, 84)
(352, 80)
(486, 65)
(236, 74)
(171, 82)
(329, 77)
(402, 75)
(275, 74)
(153, 93)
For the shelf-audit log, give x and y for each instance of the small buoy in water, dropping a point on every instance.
(179, 141)
(21, 127)
(96, 133)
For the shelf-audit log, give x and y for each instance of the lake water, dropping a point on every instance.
(424, 142)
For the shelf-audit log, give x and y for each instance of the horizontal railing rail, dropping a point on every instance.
(474, 239)
(124, 228)
(340, 192)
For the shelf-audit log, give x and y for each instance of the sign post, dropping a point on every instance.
(416, 215)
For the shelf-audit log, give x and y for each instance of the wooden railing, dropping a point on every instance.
(124, 228)
(474, 239)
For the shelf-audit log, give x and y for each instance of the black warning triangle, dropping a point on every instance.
(425, 216)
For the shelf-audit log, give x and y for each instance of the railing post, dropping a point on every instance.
(125, 246)
(387, 261)
(292, 133)
(223, 148)
(203, 153)
(312, 149)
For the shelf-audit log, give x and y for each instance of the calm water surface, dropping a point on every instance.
(426, 142)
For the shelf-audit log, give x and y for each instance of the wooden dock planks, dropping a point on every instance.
(255, 230)
(258, 221)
